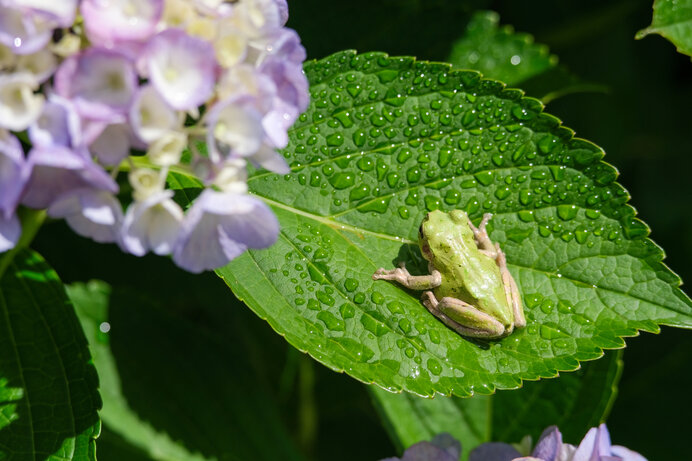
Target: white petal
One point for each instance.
(19, 106)
(151, 117)
(168, 149)
(41, 64)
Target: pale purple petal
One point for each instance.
(291, 83)
(100, 82)
(58, 124)
(626, 454)
(62, 12)
(110, 22)
(283, 11)
(112, 145)
(14, 173)
(57, 170)
(549, 444)
(19, 105)
(269, 159)
(90, 213)
(258, 17)
(22, 31)
(494, 451)
(219, 227)
(10, 231)
(152, 225)
(182, 68)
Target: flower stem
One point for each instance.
(31, 222)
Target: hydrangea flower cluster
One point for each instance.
(84, 83)
(595, 446)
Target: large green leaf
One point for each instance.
(48, 385)
(387, 139)
(174, 389)
(673, 20)
(574, 403)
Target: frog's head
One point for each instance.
(438, 228)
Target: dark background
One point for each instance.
(642, 122)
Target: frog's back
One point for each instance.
(471, 276)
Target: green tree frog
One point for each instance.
(469, 287)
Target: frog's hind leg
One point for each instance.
(488, 327)
(511, 290)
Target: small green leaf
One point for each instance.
(673, 20)
(154, 366)
(574, 403)
(437, 138)
(500, 52)
(48, 386)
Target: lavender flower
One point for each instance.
(442, 448)
(594, 447)
(24, 32)
(101, 83)
(182, 68)
(220, 226)
(56, 171)
(115, 22)
(13, 175)
(92, 213)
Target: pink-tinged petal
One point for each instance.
(112, 145)
(182, 68)
(221, 226)
(22, 31)
(108, 23)
(10, 231)
(152, 225)
(14, 173)
(100, 82)
(58, 124)
(62, 12)
(57, 170)
(91, 213)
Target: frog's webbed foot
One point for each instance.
(511, 290)
(487, 327)
(414, 282)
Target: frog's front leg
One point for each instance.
(464, 318)
(413, 282)
(480, 234)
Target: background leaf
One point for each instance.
(173, 403)
(575, 402)
(388, 139)
(48, 386)
(673, 20)
(500, 52)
